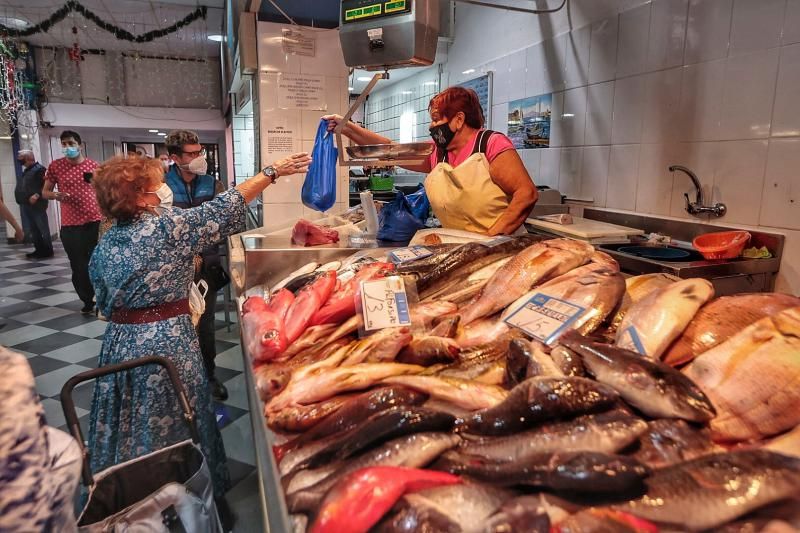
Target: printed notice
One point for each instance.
(301, 91)
(297, 43)
(412, 253)
(384, 303)
(545, 317)
(280, 139)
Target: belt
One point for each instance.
(155, 313)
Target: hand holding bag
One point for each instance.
(197, 300)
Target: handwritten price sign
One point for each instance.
(545, 317)
(384, 303)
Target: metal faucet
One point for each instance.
(697, 208)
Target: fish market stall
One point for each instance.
(517, 381)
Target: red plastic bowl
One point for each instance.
(721, 244)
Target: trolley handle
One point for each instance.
(68, 405)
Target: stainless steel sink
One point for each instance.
(689, 254)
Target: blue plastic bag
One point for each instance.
(419, 204)
(319, 188)
(396, 222)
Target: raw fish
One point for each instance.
(280, 302)
(308, 302)
(302, 271)
(721, 319)
(464, 393)
(605, 432)
(636, 288)
(567, 361)
(302, 417)
(667, 442)
(787, 444)
(519, 515)
(753, 379)
(306, 233)
(602, 520)
(342, 303)
(481, 331)
(263, 330)
(656, 320)
(427, 350)
(712, 490)
(532, 265)
(358, 501)
(567, 471)
(656, 389)
(540, 399)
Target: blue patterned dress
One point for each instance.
(142, 263)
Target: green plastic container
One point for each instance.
(384, 182)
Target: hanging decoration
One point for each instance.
(120, 33)
(75, 52)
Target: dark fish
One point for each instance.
(429, 350)
(454, 508)
(605, 433)
(354, 411)
(567, 471)
(568, 361)
(518, 363)
(302, 281)
(296, 418)
(712, 490)
(466, 259)
(603, 520)
(381, 426)
(519, 515)
(537, 400)
(413, 451)
(656, 389)
(666, 442)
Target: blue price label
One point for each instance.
(545, 317)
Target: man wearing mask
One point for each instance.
(80, 215)
(191, 186)
(32, 206)
(166, 162)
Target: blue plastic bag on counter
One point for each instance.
(396, 221)
(319, 188)
(419, 204)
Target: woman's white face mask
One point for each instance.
(164, 194)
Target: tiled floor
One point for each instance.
(40, 310)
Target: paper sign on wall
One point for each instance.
(301, 91)
(280, 139)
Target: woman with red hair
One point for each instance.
(476, 180)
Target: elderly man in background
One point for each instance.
(33, 206)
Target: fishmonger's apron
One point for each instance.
(465, 197)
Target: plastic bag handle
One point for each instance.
(68, 405)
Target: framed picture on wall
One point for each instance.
(529, 121)
(483, 87)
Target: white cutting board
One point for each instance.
(584, 228)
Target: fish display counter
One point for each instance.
(496, 383)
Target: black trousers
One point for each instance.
(206, 331)
(37, 229)
(79, 243)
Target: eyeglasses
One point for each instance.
(198, 153)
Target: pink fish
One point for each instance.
(359, 500)
(280, 302)
(264, 331)
(341, 304)
(308, 302)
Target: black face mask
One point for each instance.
(442, 135)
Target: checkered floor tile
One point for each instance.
(39, 317)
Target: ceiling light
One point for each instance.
(153, 131)
(363, 78)
(407, 92)
(429, 83)
(349, 88)
(568, 115)
(216, 38)
(468, 71)
(160, 134)
(13, 22)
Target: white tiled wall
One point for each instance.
(640, 85)
(282, 203)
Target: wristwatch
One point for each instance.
(271, 173)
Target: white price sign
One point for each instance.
(412, 253)
(491, 243)
(545, 317)
(384, 303)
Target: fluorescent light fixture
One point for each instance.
(363, 78)
(5, 137)
(406, 92)
(153, 131)
(215, 37)
(160, 134)
(568, 115)
(349, 88)
(429, 83)
(468, 71)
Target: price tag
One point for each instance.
(632, 335)
(412, 253)
(545, 317)
(491, 243)
(384, 303)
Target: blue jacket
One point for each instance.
(185, 195)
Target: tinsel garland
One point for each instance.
(119, 33)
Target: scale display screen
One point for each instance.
(361, 10)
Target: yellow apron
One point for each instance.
(465, 197)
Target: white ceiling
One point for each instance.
(136, 16)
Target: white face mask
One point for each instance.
(164, 194)
(165, 165)
(198, 165)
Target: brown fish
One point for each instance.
(656, 320)
(464, 393)
(753, 379)
(667, 442)
(636, 288)
(298, 418)
(787, 444)
(721, 319)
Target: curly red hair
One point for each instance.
(453, 100)
(119, 181)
